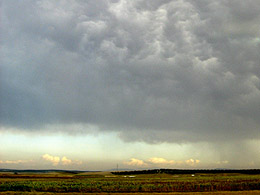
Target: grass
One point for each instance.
(107, 183)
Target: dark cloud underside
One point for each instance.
(151, 70)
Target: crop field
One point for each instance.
(108, 183)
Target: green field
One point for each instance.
(105, 182)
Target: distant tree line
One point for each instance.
(188, 171)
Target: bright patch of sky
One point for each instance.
(105, 151)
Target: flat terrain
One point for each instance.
(170, 193)
(108, 183)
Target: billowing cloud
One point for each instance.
(77, 162)
(153, 71)
(53, 159)
(156, 160)
(65, 161)
(136, 162)
(14, 161)
(192, 162)
(222, 162)
(162, 161)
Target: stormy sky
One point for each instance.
(141, 74)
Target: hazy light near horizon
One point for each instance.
(105, 151)
(171, 83)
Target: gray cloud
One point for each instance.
(153, 71)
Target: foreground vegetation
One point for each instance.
(109, 183)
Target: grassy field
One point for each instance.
(106, 183)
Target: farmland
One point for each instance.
(106, 182)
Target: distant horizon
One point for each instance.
(123, 170)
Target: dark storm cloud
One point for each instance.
(151, 70)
